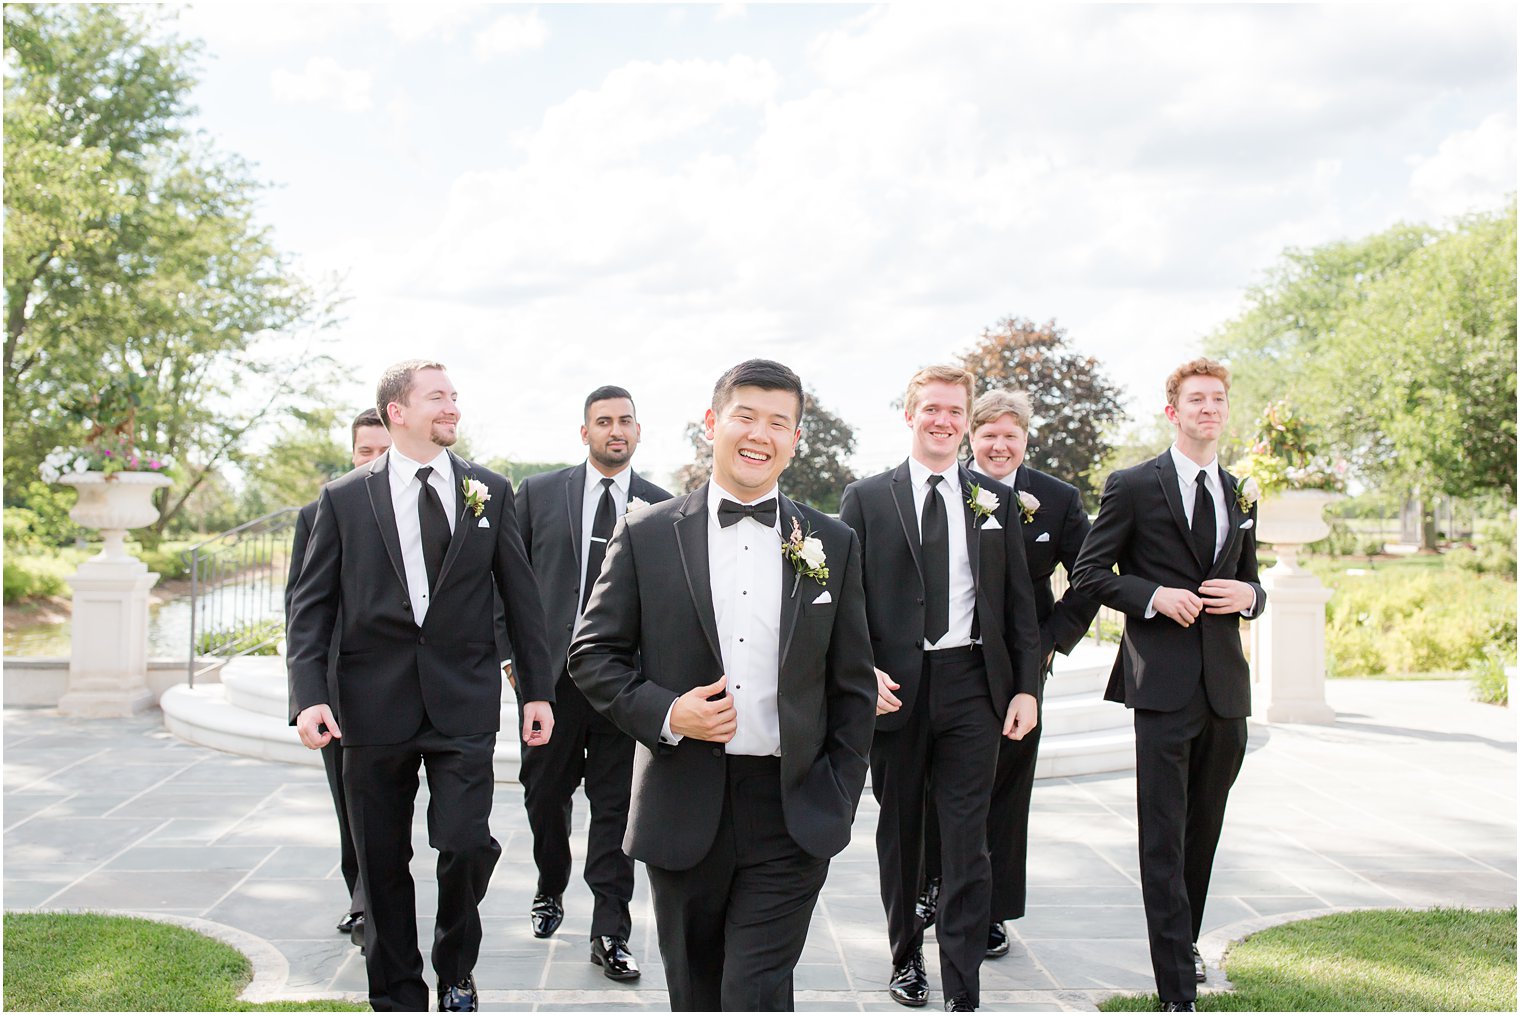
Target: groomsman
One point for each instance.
(566, 518)
(370, 440)
(953, 629)
(1055, 524)
(398, 579)
(752, 705)
(1184, 540)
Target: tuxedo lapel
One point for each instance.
(1166, 474)
(791, 584)
(379, 486)
(902, 496)
(1233, 512)
(575, 504)
(973, 530)
(462, 527)
(691, 539)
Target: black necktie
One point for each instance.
(729, 512)
(934, 534)
(435, 527)
(1203, 520)
(601, 531)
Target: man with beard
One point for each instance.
(566, 518)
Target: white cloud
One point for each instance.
(414, 22)
(730, 12)
(237, 27)
(1471, 170)
(324, 82)
(511, 33)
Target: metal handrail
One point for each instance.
(237, 581)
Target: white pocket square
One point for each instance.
(484, 523)
(1043, 537)
(991, 523)
(1248, 523)
(825, 598)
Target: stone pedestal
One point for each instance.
(1288, 642)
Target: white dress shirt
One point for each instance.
(1187, 486)
(744, 563)
(1008, 480)
(962, 591)
(405, 489)
(589, 501)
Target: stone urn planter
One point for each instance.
(1290, 520)
(113, 504)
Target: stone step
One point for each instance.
(1070, 714)
(1075, 754)
(257, 684)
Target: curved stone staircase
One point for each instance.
(247, 714)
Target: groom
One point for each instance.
(752, 708)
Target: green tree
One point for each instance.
(818, 472)
(131, 253)
(1075, 406)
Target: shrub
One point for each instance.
(39, 574)
(254, 637)
(1490, 681)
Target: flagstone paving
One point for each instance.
(1409, 799)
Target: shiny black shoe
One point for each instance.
(546, 915)
(346, 925)
(1178, 1006)
(928, 902)
(1200, 968)
(612, 954)
(356, 932)
(910, 984)
(459, 997)
(997, 940)
(960, 1002)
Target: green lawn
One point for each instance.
(1375, 960)
(89, 962)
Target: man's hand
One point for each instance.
(509, 676)
(886, 701)
(307, 724)
(1226, 595)
(1023, 717)
(694, 716)
(1179, 604)
(542, 713)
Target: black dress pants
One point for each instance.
(953, 733)
(1185, 763)
(381, 786)
(348, 856)
(585, 746)
(732, 927)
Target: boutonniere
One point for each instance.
(475, 496)
(1028, 505)
(982, 502)
(635, 504)
(1248, 494)
(805, 553)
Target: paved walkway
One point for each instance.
(1408, 800)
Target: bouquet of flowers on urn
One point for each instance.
(1284, 457)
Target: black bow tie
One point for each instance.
(730, 512)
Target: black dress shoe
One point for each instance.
(612, 954)
(1178, 1006)
(928, 902)
(997, 940)
(960, 1002)
(1200, 968)
(910, 984)
(546, 915)
(459, 997)
(356, 932)
(346, 925)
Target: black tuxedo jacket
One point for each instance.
(880, 510)
(654, 597)
(549, 513)
(1143, 528)
(1054, 536)
(390, 672)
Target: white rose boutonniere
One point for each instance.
(475, 496)
(805, 553)
(1248, 494)
(1028, 505)
(636, 504)
(982, 502)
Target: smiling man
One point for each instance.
(740, 663)
(1184, 542)
(957, 650)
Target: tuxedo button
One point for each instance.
(405, 605)
(717, 752)
(920, 601)
(421, 640)
(919, 643)
(569, 627)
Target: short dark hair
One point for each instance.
(603, 393)
(369, 417)
(396, 384)
(765, 374)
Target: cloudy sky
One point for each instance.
(549, 198)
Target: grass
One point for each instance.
(1375, 960)
(91, 962)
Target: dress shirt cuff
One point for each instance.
(666, 736)
(1255, 605)
(1150, 606)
